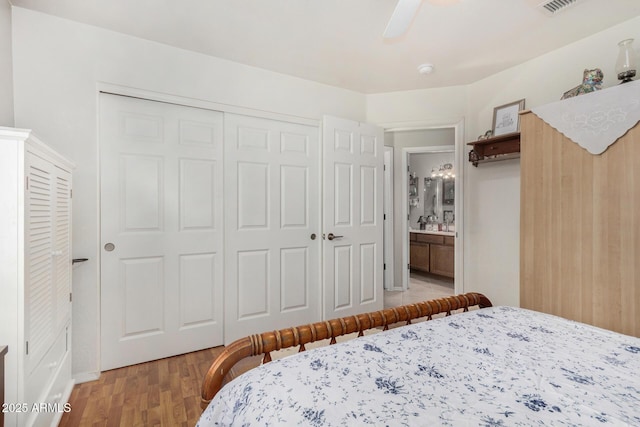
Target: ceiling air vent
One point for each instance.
(553, 7)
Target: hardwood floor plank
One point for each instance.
(164, 392)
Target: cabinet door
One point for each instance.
(419, 257)
(47, 255)
(62, 248)
(442, 260)
(39, 251)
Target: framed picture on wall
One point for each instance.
(506, 118)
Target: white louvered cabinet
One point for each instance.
(35, 278)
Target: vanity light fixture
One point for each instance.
(445, 171)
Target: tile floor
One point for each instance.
(422, 287)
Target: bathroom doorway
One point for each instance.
(431, 223)
(424, 140)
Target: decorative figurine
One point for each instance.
(488, 134)
(591, 81)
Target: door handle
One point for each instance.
(331, 236)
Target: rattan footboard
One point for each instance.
(300, 335)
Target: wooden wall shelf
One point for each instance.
(501, 147)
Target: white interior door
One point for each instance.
(389, 259)
(352, 217)
(161, 229)
(272, 225)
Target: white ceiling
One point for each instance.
(339, 42)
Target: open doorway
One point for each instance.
(423, 140)
(431, 221)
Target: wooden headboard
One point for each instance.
(300, 335)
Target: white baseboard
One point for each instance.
(85, 377)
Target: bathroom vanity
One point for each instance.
(432, 252)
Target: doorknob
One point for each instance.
(109, 247)
(331, 236)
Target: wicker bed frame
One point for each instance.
(267, 342)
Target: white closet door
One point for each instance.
(352, 217)
(161, 229)
(272, 211)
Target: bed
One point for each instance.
(495, 366)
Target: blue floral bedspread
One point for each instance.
(498, 366)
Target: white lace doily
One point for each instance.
(595, 120)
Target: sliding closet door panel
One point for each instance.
(352, 218)
(161, 229)
(272, 211)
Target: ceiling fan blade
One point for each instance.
(402, 16)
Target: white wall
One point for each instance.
(400, 140)
(58, 64)
(6, 64)
(492, 190)
(418, 107)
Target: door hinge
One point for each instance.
(27, 347)
(407, 217)
(71, 193)
(384, 216)
(407, 168)
(26, 182)
(384, 167)
(384, 266)
(408, 267)
(70, 297)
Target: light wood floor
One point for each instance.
(166, 392)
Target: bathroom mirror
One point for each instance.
(448, 191)
(439, 196)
